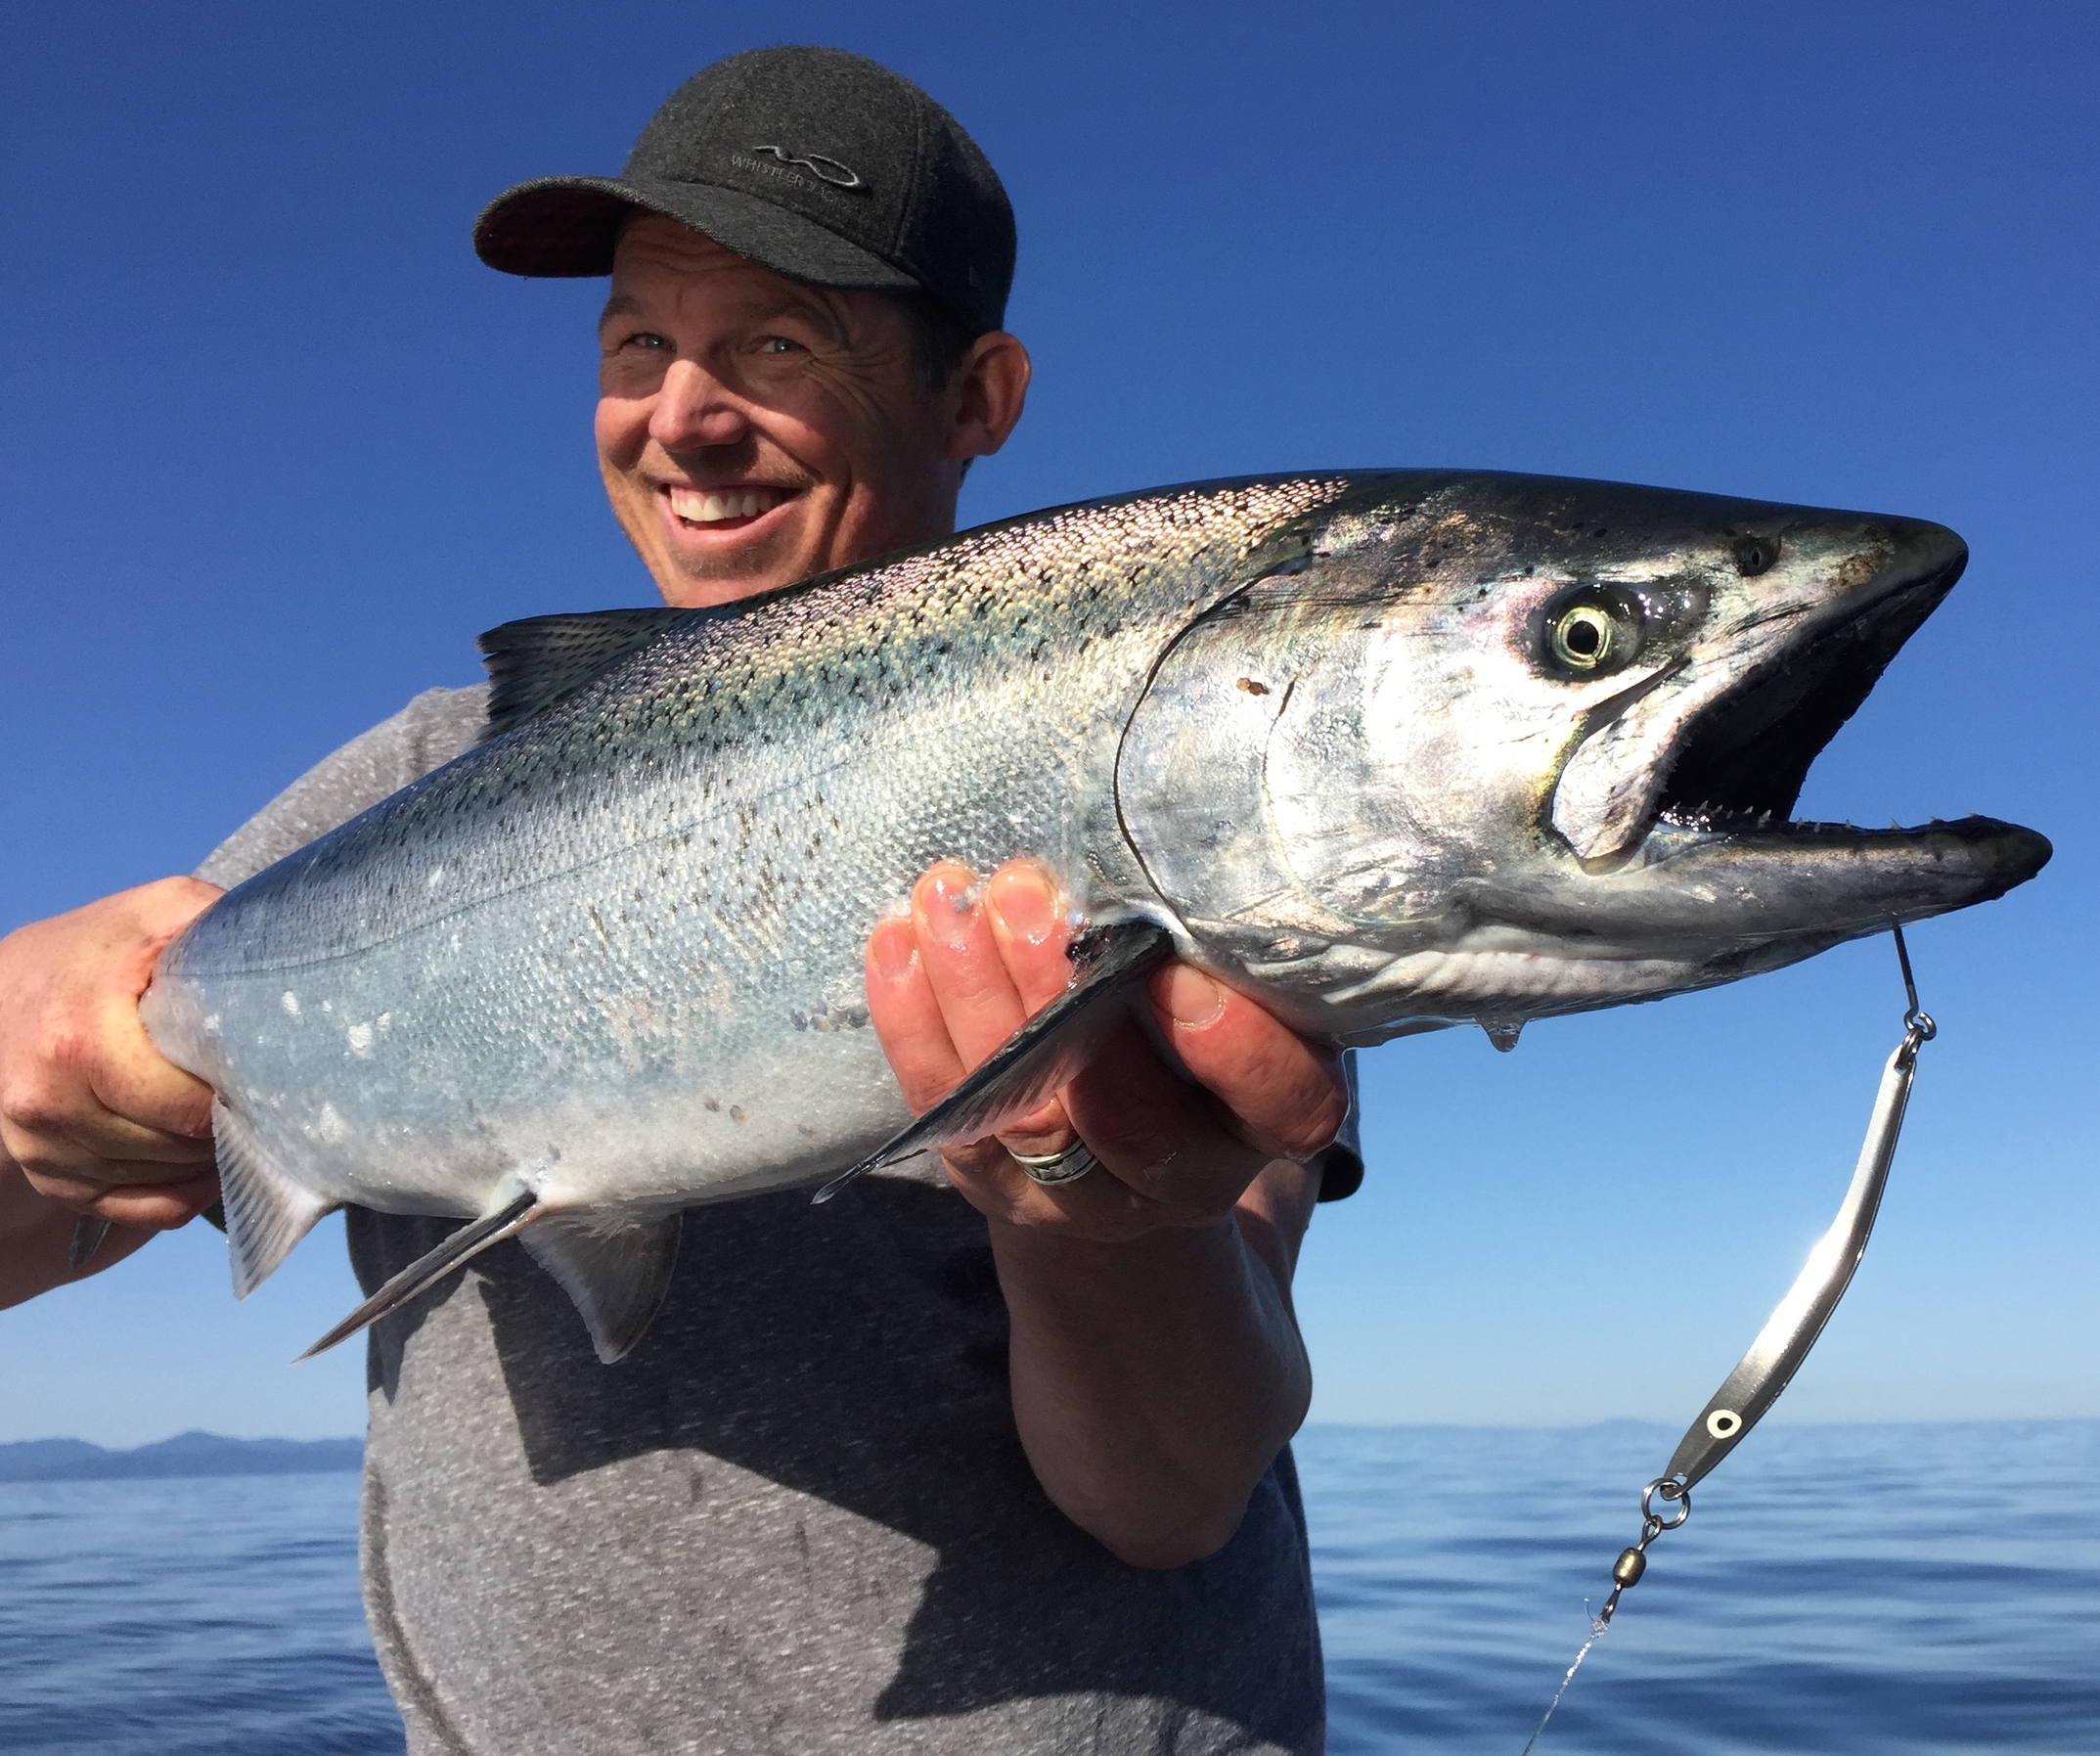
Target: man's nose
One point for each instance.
(694, 409)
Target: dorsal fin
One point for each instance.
(536, 660)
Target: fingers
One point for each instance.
(959, 951)
(1170, 1141)
(1286, 1096)
(952, 981)
(87, 1103)
(161, 1207)
(907, 1016)
(158, 1208)
(38, 1239)
(1032, 930)
(940, 994)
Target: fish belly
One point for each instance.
(681, 1021)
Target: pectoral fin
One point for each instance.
(1039, 1057)
(266, 1211)
(617, 1278)
(515, 1208)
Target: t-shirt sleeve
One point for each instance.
(1341, 1165)
(436, 726)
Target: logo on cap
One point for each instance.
(839, 176)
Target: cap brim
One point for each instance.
(566, 226)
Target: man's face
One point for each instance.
(753, 431)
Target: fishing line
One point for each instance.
(1597, 1632)
(1751, 1389)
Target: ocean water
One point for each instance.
(1854, 1590)
(190, 1616)
(1836, 1589)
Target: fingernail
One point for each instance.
(1191, 998)
(893, 948)
(1025, 905)
(952, 894)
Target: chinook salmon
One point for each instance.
(1385, 751)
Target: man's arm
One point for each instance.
(1157, 1368)
(92, 1120)
(36, 1237)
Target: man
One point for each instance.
(898, 1476)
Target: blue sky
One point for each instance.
(274, 447)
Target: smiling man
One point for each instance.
(753, 431)
(998, 1474)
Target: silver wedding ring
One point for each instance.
(1053, 1168)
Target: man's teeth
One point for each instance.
(696, 507)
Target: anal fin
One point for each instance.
(515, 1208)
(615, 1274)
(1039, 1057)
(267, 1211)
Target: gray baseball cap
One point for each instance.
(818, 164)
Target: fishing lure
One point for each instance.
(1747, 1392)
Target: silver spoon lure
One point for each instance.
(1784, 1343)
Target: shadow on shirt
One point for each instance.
(858, 1354)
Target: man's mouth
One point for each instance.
(725, 507)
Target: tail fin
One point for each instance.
(267, 1211)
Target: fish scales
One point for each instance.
(599, 925)
(1388, 752)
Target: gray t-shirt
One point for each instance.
(797, 1518)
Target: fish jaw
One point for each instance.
(1697, 908)
(1693, 909)
(1784, 659)
(1379, 803)
(1725, 887)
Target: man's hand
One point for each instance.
(1156, 1364)
(951, 983)
(90, 1113)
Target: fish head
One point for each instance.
(1474, 746)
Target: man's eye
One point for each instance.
(778, 345)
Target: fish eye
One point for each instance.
(1585, 637)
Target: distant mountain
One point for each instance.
(187, 1454)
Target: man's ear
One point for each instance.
(987, 393)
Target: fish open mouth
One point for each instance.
(1744, 760)
(1711, 850)
(1720, 852)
